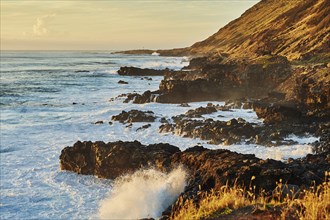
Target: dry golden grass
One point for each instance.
(307, 205)
(314, 204)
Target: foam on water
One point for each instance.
(143, 194)
(46, 105)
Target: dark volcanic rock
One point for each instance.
(112, 159)
(144, 127)
(184, 105)
(207, 169)
(122, 82)
(198, 112)
(278, 112)
(146, 97)
(98, 122)
(134, 116)
(134, 71)
(238, 130)
(213, 167)
(216, 132)
(222, 79)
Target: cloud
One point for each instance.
(40, 28)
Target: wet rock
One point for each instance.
(207, 169)
(122, 82)
(112, 159)
(146, 97)
(224, 79)
(129, 125)
(134, 71)
(134, 116)
(184, 105)
(163, 120)
(166, 128)
(198, 112)
(231, 132)
(144, 127)
(98, 122)
(279, 112)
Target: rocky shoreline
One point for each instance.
(260, 86)
(279, 69)
(208, 169)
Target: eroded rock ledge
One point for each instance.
(134, 71)
(208, 169)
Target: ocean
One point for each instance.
(50, 100)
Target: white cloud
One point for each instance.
(40, 28)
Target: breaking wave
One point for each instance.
(145, 193)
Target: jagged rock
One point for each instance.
(112, 159)
(134, 71)
(184, 105)
(144, 127)
(122, 82)
(146, 97)
(198, 112)
(279, 112)
(134, 116)
(221, 79)
(207, 169)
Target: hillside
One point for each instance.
(295, 29)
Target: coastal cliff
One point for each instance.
(275, 46)
(297, 29)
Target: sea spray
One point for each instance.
(145, 193)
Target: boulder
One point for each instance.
(112, 159)
(134, 116)
(122, 82)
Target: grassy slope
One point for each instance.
(288, 28)
(241, 203)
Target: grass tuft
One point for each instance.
(310, 204)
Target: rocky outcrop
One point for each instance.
(220, 79)
(309, 87)
(134, 71)
(112, 159)
(208, 169)
(277, 112)
(198, 112)
(146, 97)
(122, 82)
(134, 116)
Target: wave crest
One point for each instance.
(145, 193)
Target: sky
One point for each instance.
(113, 24)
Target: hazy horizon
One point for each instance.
(112, 25)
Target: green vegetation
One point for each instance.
(315, 59)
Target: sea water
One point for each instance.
(50, 100)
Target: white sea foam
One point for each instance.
(308, 139)
(281, 153)
(38, 119)
(143, 194)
